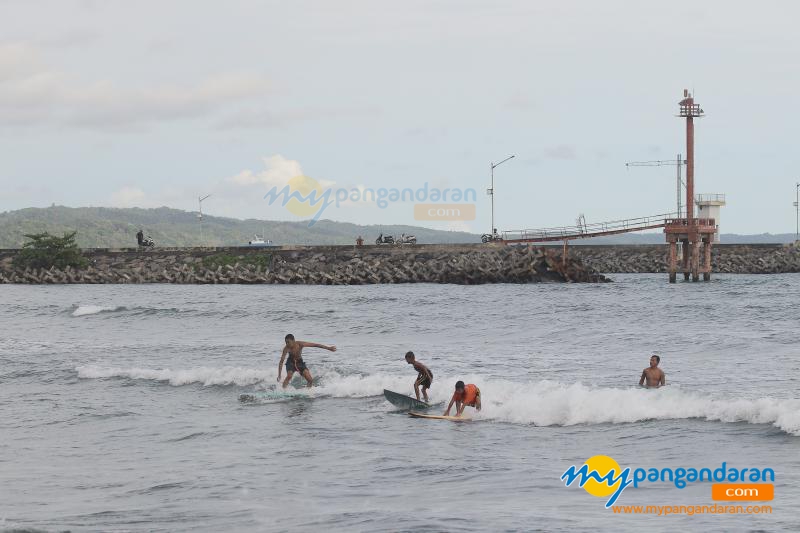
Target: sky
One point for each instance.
(119, 103)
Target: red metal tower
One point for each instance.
(691, 231)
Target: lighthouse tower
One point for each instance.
(693, 232)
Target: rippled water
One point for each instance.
(119, 404)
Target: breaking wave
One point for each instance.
(201, 375)
(543, 403)
(84, 310)
(548, 403)
(331, 383)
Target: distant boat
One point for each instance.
(259, 242)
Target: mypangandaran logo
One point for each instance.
(306, 197)
(601, 476)
(304, 194)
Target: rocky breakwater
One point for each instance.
(725, 258)
(463, 265)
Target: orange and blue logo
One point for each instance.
(306, 197)
(602, 477)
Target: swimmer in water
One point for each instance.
(653, 375)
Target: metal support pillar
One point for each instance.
(687, 251)
(673, 267)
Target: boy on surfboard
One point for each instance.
(424, 378)
(655, 376)
(295, 361)
(465, 395)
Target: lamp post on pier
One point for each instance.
(490, 190)
(797, 212)
(200, 216)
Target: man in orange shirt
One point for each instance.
(465, 395)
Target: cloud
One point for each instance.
(71, 38)
(277, 173)
(520, 100)
(128, 197)
(255, 117)
(562, 151)
(279, 170)
(17, 60)
(240, 196)
(251, 118)
(32, 93)
(362, 197)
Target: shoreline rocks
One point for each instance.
(316, 266)
(347, 265)
(728, 259)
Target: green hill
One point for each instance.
(101, 227)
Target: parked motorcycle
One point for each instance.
(407, 239)
(147, 242)
(491, 237)
(389, 239)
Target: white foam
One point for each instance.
(203, 375)
(544, 403)
(83, 310)
(358, 386)
(548, 403)
(332, 383)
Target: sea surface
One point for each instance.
(120, 411)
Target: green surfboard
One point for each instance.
(273, 395)
(404, 402)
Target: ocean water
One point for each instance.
(119, 406)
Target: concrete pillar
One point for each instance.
(696, 261)
(673, 259)
(687, 252)
(707, 266)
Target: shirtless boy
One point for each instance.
(294, 349)
(653, 375)
(424, 376)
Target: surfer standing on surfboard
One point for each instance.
(424, 378)
(655, 376)
(294, 349)
(465, 395)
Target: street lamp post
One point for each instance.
(797, 212)
(491, 189)
(200, 216)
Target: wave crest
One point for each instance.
(202, 375)
(84, 310)
(543, 403)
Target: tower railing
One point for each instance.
(695, 221)
(596, 229)
(710, 198)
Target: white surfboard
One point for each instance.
(440, 417)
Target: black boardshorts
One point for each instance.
(423, 381)
(299, 367)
